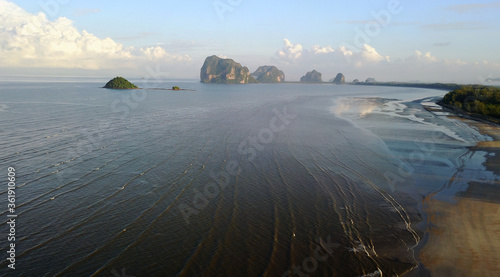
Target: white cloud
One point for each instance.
(368, 62)
(419, 57)
(158, 53)
(290, 51)
(321, 54)
(29, 40)
(369, 54)
(365, 56)
(295, 51)
(326, 59)
(316, 49)
(345, 52)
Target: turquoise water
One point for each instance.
(224, 180)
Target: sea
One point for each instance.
(238, 180)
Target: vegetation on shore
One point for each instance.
(120, 83)
(474, 99)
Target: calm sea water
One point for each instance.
(225, 180)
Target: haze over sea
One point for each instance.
(230, 180)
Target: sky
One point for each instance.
(389, 40)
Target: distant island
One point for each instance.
(269, 74)
(217, 70)
(311, 77)
(224, 71)
(120, 83)
(339, 79)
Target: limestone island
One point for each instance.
(120, 83)
(269, 74)
(339, 79)
(370, 80)
(312, 77)
(224, 71)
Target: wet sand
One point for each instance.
(463, 238)
(459, 202)
(464, 233)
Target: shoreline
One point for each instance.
(485, 125)
(468, 115)
(460, 230)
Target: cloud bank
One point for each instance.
(296, 60)
(32, 40)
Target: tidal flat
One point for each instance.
(254, 180)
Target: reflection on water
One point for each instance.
(355, 106)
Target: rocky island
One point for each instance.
(120, 83)
(224, 71)
(269, 74)
(312, 77)
(339, 79)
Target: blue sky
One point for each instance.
(424, 40)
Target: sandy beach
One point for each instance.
(464, 234)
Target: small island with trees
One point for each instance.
(120, 83)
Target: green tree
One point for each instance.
(476, 99)
(120, 83)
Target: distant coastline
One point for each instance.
(440, 86)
